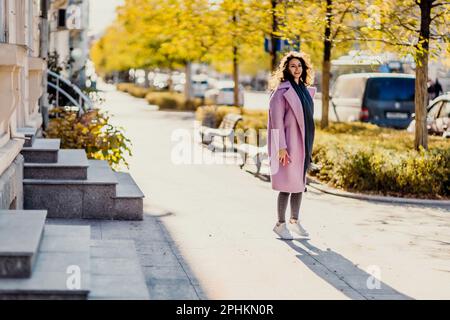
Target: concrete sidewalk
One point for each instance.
(218, 222)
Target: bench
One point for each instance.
(258, 154)
(224, 131)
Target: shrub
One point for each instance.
(124, 86)
(165, 100)
(254, 124)
(91, 132)
(138, 92)
(173, 101)
(134, 90)
(390, 167)
(212, 115)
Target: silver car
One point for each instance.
(438, 117)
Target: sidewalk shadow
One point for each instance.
(167, 274)
(343, 274)
(181, 285)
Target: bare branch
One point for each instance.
(400, 22)
(437, 4)
(439, 36)
(341, 20)
(395, 43)
(437, 15)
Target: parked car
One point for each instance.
(223, 93)
(200, 83)
(438, 117)
(385, 99)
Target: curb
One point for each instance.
(326, 189)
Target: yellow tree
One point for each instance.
(187, 34)
(416, 27)
(110, 52)
(138, 36)
(238, 35)
(327, 27)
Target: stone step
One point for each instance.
(91, 198)
(20, 237)
(62, 269)
(116, 272)
(72, 164)
(42, 151)
(128, 201)
(30, 133)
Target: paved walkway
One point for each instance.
(210, 230)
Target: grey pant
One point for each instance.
(296, 200)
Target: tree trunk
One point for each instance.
(146, 81)
(188, 85)
(236, 76)
(326, 65)
(170, 80)
(235, 66)
(273, 49)
(421, 92)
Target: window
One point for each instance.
(391, 89)
(434, 110)
(61, 18)
(445, 110)
(352, 88)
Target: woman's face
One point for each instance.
(295, 68)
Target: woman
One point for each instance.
(290, 137)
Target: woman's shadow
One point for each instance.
(343, 274)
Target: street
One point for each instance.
(220, 218)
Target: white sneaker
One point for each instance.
(298, 228)
(283, 231)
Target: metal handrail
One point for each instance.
(83, 100)
(68, 96)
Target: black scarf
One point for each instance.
(308, 113)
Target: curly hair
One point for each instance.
(282, 72)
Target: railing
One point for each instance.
(80, 101)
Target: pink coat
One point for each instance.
(286, 129)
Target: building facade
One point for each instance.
(68, 36)
(29, 30)
(21, 74)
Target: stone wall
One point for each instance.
(11, 185)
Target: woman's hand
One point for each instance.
(284, 157)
